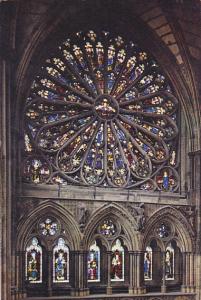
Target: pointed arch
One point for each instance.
(183, 227)
(125, 219)
(28, 222)
(179, 77)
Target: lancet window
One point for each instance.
(61, 262)
(94, 263)
(34, 262)
(148, 263)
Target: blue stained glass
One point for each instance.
(150, 109)
(145, 147)
(63, 80)
(98, 109)
(155, 130)
(121, 135)
(99, 164)
(165, 180)
(90, 159)
(53, 118)
(100, 137)
(120, 162)
(51, 95)
(110, 82)
(33, 131)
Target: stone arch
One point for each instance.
(184, 229)
(28, 222)
(125, 219)
(151, 239)
(103, 241)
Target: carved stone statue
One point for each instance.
(83, 217)
(138, 213)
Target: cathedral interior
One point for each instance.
(100, 149)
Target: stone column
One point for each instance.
(131, 272)
(79, 268)
(195, 198)
(20, 280)
(163, 287)
(191, 272)
(109, 287)
(49, 279)
(184, 272)
(137, 266)
(188, 273)
(5, 182)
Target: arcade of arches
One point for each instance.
(100, 149)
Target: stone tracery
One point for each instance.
(101, 112)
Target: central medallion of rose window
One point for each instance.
(106, 107)
(101, 112)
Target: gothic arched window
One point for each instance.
(117, 262)
(101, 112)
(169, 263)
(148, 263)
(61, 262)
(94, 263)
(34, 262)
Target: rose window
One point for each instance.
(48, 227)
(163, 230)
(101, 112)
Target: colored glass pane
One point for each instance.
(48, 227)
(117, 262)
(101, 112)
(169, 263)
(94, 263)
(108, 228)
(34, 262)
(60, 262)
(163, 230)
(148, 264)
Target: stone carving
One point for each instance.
(24, 207)
(83, 216)
(138, 213)
(190, 213)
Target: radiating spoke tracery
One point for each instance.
(101, 112)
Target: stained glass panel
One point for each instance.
(169, 263)
(148, 264)
(163, 230)
(60, 262)
(117, 262)
(94, 263)
(101, 112)
(48, 227)
(107, 228)
(34, 262)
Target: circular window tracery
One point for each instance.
(48, 227)
(101, 112)
(108, 228)
(164, 230)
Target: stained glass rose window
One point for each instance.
(48, 227)
(163, 230)
(101, 112)
(108, 228)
